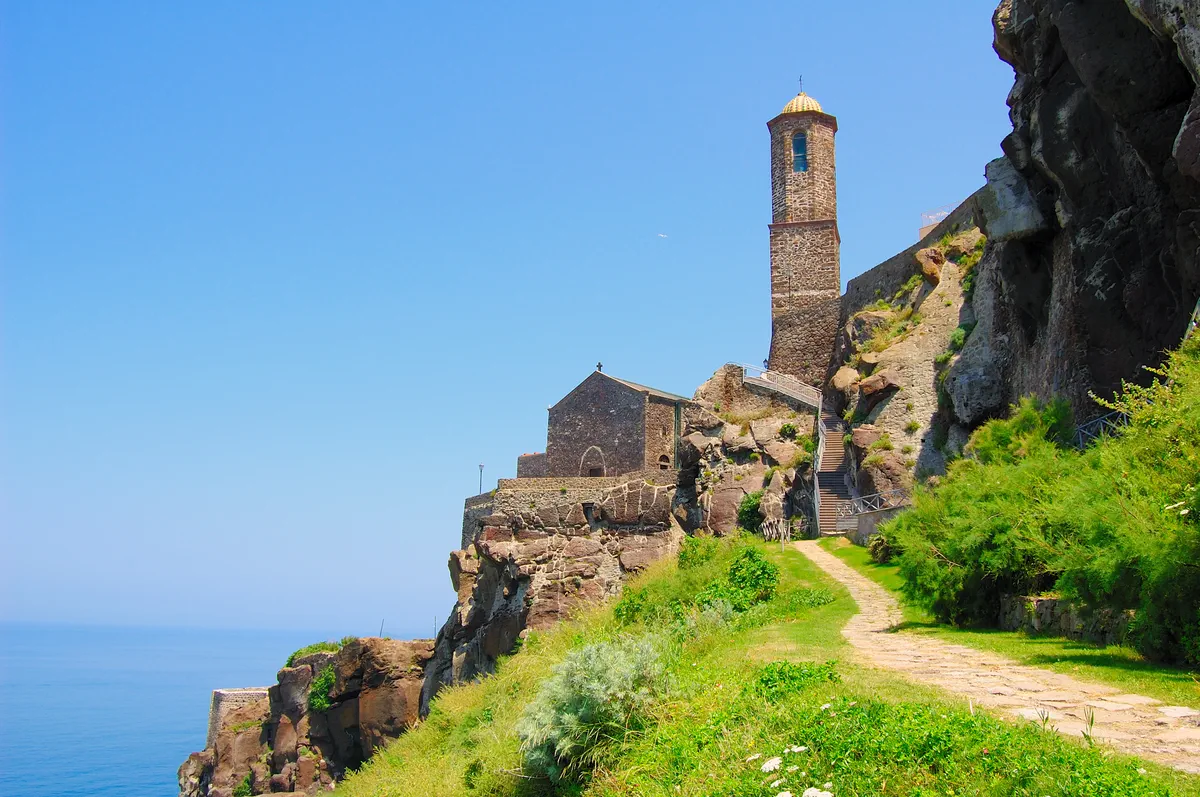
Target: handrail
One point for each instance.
(888, 499)
(1099, 427)
(780, 383)
(816, 472)
(1195, 322)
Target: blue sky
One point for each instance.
(278, 276)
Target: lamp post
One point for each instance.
(480, 478)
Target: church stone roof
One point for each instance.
(643, 389)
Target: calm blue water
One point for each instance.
(115, 711)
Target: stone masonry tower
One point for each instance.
(805, 274)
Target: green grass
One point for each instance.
(1114, 665)
(868, 733)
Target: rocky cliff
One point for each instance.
(328, 712)
(1093, 214)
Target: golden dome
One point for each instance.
(801, 103)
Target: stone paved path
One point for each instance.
(1131, 724)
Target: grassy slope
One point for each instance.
(1118, 666)
(878, 734)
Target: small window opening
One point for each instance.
(800, 152)
(595, 471)
(664, 462)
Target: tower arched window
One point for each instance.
(800, 152)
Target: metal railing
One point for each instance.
(780, 383)
(816, 473)
(1104, 426)
(888, 499)
(1195, 322)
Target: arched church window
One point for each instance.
(800, 152)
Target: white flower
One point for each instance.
(827, 786)
(813, 791)
(826, 706)
(772, 764)
(1141, 771)
(754, 757)
(792, 769)
(775, 784)
(797, 749)
(784, 794)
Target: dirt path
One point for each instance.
(1132, 724)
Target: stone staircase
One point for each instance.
(831, 477)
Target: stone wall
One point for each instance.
(600, 424)
(475, 509)
(224, 702)
(885, 279)
(802, 340)
(531, 466)
(661, 433)
(868, 524)
(1052, 616)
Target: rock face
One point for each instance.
(544, 547)
(283, 745)
(1094, 212)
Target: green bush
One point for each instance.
(245, 788)
(1113, 527)
(750, 512)
(316, 647)
(695, 551)
(594, 699)
(912, 426)
(632, 605)
(752, 579)
(782, 678)
(322, 685)
(788, 431)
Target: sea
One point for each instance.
(103, 712)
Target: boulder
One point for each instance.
(876, 387)
(845, 378)
(735, 442)
(931, 261)
(764, 430)
(781, 452)
(1007, 209)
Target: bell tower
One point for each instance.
(806, 282)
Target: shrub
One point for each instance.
(788, 431)
(755, 456)
(596, 697)
(911, 427)
(884, 443)
(769, 474)
(632, 605)
(695, 551)
(783, 678)
(802, 460)
(316, 647)
(245, 788)
(1024, 513)
(322, 685)
(958, 338)
(880, 548)
(752, 579)
(872, 460)
(750, 511)
(943, 358)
